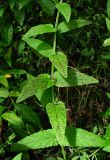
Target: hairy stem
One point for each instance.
(54, 48)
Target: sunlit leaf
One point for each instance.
(72, 25)
(60, 62)
(40, 83)
(65, 10)
(74, 78)
(40, 46)
(57, 117)
(18, 157)
(41, 139)
(39, 29)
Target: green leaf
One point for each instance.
(15, 72)
(108, 8)
(40, 46)
(38, 84)
(28, 114)
(3, 81)
(23, 3)
(47, 6)
(105, 57)
(75, 78)
(107, 135)
(18, 157)
(82, 138)
(107, 148)
(40, 29)
(45, 97)
(65, 10)
(7, 33)
(60, 62)
(11, 3)
(19, 16)
(21, 47)
(14, 93)
(72, 25)
(108, 24)
(4, 93)
(108, 95)
(16, 122)
(106, 42)
(74, 137)
(41, 139)
(2, 9)
(2, 108)
(57, 117)
(7, 56)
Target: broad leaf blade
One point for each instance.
(65, 10)
(18, 157)
(40, 46)
(28, 114)
(57, 117)
(72, 25)
(60, 62)
(107, 148)
(23, 3)
(47, 6)
(2, 108)
(106, 42)
(82, 138)
(40, 29)
(108, 24)
(2, 9)
(108, 8)
(40, 83)
(41, 139)
(3, 81)
(4, 93)
(75, 78)
(16, 123)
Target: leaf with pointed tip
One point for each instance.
(16, 123)
(107, 148)
(82, 138)
(60, 62)
(108, 23)
(74, 78)
(75, 137)
(40, 83)
(18, 157)
(39, 29)
(47, 6)
(41, 139)
(65, 10)
(2, 9)
(4, 93)
(28, 114)
(72, 25)
(23, 3)
(106, 42)
(3, 81)
(57, 117)
(40, 46)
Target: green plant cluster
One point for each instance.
(54, 71)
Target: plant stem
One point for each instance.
(52, 68)
(54, 49)
(63, 152)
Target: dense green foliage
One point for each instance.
(54, 79)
